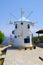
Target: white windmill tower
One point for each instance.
(23, 31)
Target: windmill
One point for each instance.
(21, 13)
(23, 28)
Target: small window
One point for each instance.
(16, 26)
(13, 32)
(15, 36)
(21, 23)
(28, 26)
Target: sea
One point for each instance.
(5, 42)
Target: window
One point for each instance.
(15, 36)
(21, 23)
(26, 40)
(16, 26)
(13, 32)
(28, 26)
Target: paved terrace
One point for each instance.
(24, 57)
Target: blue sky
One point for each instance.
(14, 6)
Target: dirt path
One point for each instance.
(24, 57)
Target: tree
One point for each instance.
(2, 37)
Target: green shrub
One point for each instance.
(35, 39)
(2, 37)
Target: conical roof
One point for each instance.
(23, 19)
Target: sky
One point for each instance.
(13, 7)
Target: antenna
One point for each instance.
(22, 12)
(29, 14)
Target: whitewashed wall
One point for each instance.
(22, 32)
